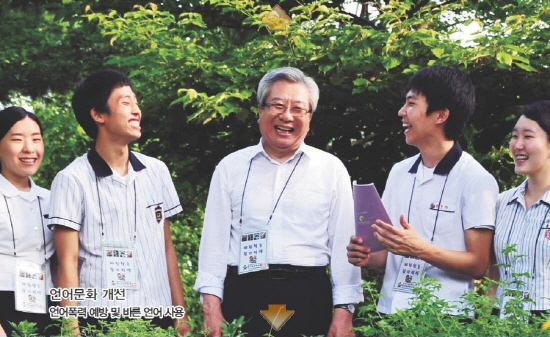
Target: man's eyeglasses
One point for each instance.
(278, 108)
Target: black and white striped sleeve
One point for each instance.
(169, 194)
(66, 202)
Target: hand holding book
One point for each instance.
(368, 208)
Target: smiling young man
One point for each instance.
(441, 202)
(278, 214)
(110, 210)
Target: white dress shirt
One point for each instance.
(311, 225)
(29, 230)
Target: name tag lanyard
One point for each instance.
(101, 213)
(29, 277)
(253, 246)
(280, 195)
(412, 269)
(525, 294)
(13, 231)
(119, 257)
(507, 258)
(438, 206)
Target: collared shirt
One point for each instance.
(465, 194)
(529, 231)
(311, 225)
(123, 208)
(23, 211)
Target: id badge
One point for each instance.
(409, 274)
(30, 287)
(119, 265)
(507, 296)
(253, 253)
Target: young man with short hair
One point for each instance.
(441, 202)
(110, 209)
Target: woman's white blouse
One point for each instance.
(26, 211)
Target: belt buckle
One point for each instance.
(278, 274)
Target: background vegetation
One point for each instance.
(196, 64)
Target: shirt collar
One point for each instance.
(9, 190)
(446, 164)
(259, 149)
(519, 194)
(102, 169)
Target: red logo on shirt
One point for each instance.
(547, 234)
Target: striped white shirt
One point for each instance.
(24, 213)
(86, 194)
(529, 231)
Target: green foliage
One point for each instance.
(429, 316)
(24, 329)
(195, 65)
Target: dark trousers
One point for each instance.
(9, 314)
(308, 294)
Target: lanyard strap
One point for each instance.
(280, 195)
(537, 242)
(541, 227)
(438, 205)
(101, 212)
(506, 257)
(13, 229)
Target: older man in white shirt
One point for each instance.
(279, 213)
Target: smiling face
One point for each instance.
(21, 152)
(530, 148)
(122, 123)
(282, 133)
(421, 129)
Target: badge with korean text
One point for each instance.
(30, 288)
(409, 274)
(119, 265)
(253, 253)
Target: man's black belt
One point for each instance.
(281, 272)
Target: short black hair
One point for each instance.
(539, 112)
(446, 88)
(93, 93)
(13, 114)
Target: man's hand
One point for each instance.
(182, 326)
(213, 317)
(358, 255)
(399, 241)
(341, 325)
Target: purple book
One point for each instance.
(368, 208)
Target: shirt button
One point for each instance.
(37, 248)
(35, 228)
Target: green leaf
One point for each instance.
(504, 58)
(438, 52)
(390, 62)
(526, 67)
